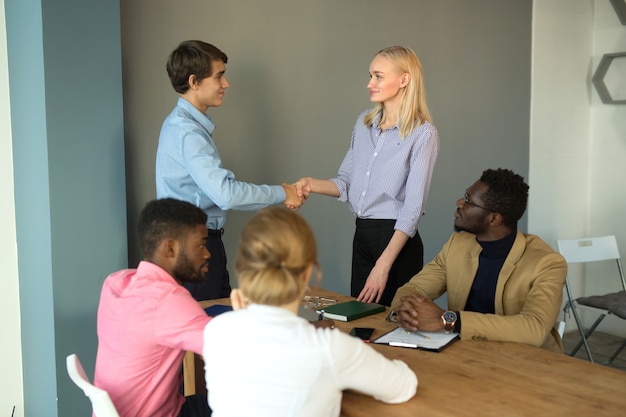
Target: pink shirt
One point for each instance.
(146, 322)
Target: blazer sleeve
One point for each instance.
(531, 301)
(528, 298)
(430, 282)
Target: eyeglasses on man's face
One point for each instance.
(467, 202)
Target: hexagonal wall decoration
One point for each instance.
(620, 9)
(598, 78)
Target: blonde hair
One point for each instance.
(275, 249)
(413, 109)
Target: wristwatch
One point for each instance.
(449, 319)
(393, 316)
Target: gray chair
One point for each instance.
(595, 249)
(100, 400)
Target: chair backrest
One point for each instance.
(100, 400)
(589, 249)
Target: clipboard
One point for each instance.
(430, 341)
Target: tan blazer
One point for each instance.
(528, 295)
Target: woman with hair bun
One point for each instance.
(279, 364)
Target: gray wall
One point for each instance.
(298, 71)
(67, 123)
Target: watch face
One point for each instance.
(449, 316)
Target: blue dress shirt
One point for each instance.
(386, 177)
(189, 168)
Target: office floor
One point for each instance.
(602, 345)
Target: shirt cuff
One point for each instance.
(343, 192)
(457, 324)
(409, 229)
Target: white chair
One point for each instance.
(594, 249)
(100, 400)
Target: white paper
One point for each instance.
(424, 340)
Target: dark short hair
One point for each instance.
(507, 194)
(166, 218)
(192, 57)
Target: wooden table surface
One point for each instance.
(477, 378)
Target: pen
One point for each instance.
(402, 344)
(416, 333)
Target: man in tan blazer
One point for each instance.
(502, 285)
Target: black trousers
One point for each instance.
(195, 406)
(371, 237)
(216, 283)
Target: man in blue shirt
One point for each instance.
(188, 164)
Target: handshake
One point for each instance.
(297, 193)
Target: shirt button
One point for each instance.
(368, 173)
(375, 153)
(363, 193)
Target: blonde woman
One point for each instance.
(385, 177)
(264, 360)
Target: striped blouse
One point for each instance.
(385, 177)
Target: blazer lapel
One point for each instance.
(510, 263)
(469, 268)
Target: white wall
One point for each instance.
(11, 392)
(577, 146)
(607, 197)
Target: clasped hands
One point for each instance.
(297, 193)
(419, 313)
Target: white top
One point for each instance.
(266, 361)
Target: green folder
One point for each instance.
(351, 310)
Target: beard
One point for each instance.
(185, 271)
(476, 227)
(474, 230)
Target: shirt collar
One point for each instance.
(200, 117)
(274, 310)
(498, 249)
(147, 268)
(376, 122)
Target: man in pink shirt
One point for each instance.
(147, 319)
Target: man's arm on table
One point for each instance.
(532, 298)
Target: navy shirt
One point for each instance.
(482, 294)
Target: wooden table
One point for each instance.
(476, 378)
